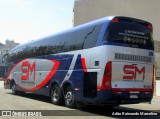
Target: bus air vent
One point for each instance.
(130, 57)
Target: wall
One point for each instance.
(89, 10)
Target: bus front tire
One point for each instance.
(14, 91)
(69, 98)
(56, 96)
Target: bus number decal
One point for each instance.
(27, 69)
(130, 72)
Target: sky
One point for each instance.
(25, 20)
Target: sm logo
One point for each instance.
(28, 70)
(131, 71)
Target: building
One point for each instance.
(89, 10)
(1, 48)
(5, 48)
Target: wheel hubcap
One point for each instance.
(55, 95)
(69, 97)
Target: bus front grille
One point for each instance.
(130, 57)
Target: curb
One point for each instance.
(155, 100)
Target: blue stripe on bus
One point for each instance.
(102, 33)
(64, 59)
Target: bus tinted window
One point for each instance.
(77, 39)
(91, 36)
(129, 33)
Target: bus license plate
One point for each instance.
(133, 96)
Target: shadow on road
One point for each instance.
(117, 112)
(34, 97)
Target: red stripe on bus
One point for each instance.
(83, 60)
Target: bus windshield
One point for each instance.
(133, 34)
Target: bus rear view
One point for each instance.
(129, 70)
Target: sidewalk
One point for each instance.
(155, 100)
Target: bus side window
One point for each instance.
(92, 36)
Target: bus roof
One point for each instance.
(93, 23)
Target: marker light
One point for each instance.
(150, 26)
(115, 20)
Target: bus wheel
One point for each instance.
(14, 91)
(69, 97)
(56, 96)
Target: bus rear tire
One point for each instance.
(56, 96)
(69, 98)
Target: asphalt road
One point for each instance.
(29, 102)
